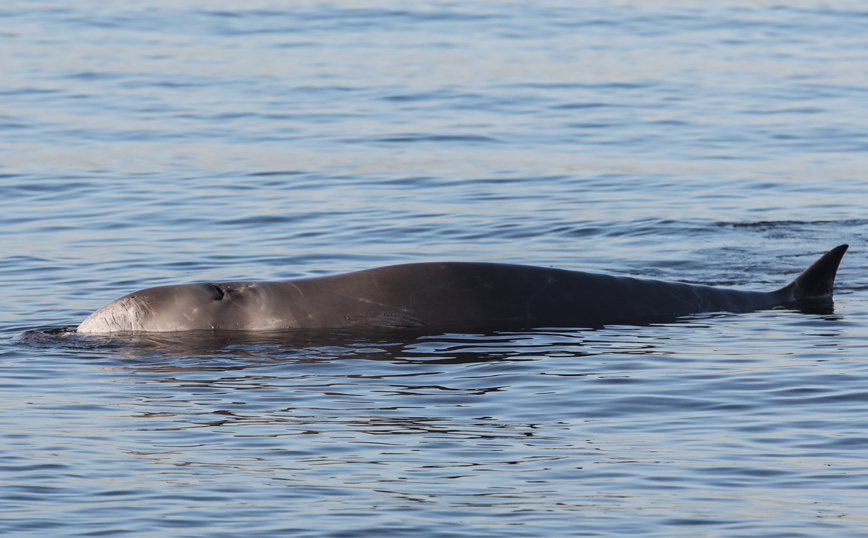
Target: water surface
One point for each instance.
(169, 142)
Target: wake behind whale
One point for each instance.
(447, 295)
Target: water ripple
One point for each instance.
(163, 143)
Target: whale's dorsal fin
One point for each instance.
(817, 281)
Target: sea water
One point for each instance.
(158, 142)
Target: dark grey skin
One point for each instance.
(447, 296)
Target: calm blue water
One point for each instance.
(167, 142)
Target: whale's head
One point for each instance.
(166, 308)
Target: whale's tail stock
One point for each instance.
(818, 280)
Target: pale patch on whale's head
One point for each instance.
(126, 314)
(184, 307)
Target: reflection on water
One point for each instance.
(613, 424)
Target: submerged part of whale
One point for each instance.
(448, 296)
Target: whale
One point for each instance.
(444, 296)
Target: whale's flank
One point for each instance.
(444, 295)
